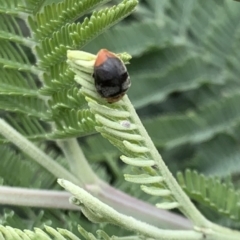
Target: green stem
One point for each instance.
(77, 161)
(124, 110)
(141, 210)
(34, 152)
(115, 198)
(186, 206)
(110, 215)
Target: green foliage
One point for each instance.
(185, 87)
(26, 84)
(59, 85)
(8, 233)
(59, 14)
(192, 115)
(31, 172)
(11, 7)
(74, 123)
(13, 56)
(185, 80)
(10, 29)
(51, 52)
(120, 125)
(197, 126)
(211, 192)
(81, 33)
(40, 100)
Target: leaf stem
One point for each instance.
(77, 161)
(109, 117)
(186, 206)
(115, 198)
(141, 210)
(112, 216)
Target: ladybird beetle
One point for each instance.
(111, 76)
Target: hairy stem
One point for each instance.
(110, 215)
(94, 209)
(141, 210)
(115, 198)
(186, 206)
(107, 194)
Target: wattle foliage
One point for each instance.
(185, 87)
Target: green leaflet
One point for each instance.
(7, 233)
(11, 7)
(223, 150)
(60, 14)
(151, 34)
(31, 106)
(66, 100)
(10, 29)
(74, 123)
(26, 85)
(170, 70)
(211, 192)
(53, 50)
(17, 162)
(14, 57)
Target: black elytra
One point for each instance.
(111, 76)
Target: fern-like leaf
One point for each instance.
(151, 34)
(30, 106)
(118, 123)
(13, 56)
(69, 98)
(14, 83)
(174, 72)
(11, 7)
(211, 192)
(30, 127)
(74, 123)
(33, 174)
(81, 33)
(223, 150)
(10, 29)
(60, 14)
(9, 233)
(60, 77)
(34, 6)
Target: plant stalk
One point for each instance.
(77, 161)
(35, 198)
(110, 215)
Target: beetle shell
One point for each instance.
(111, 76)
